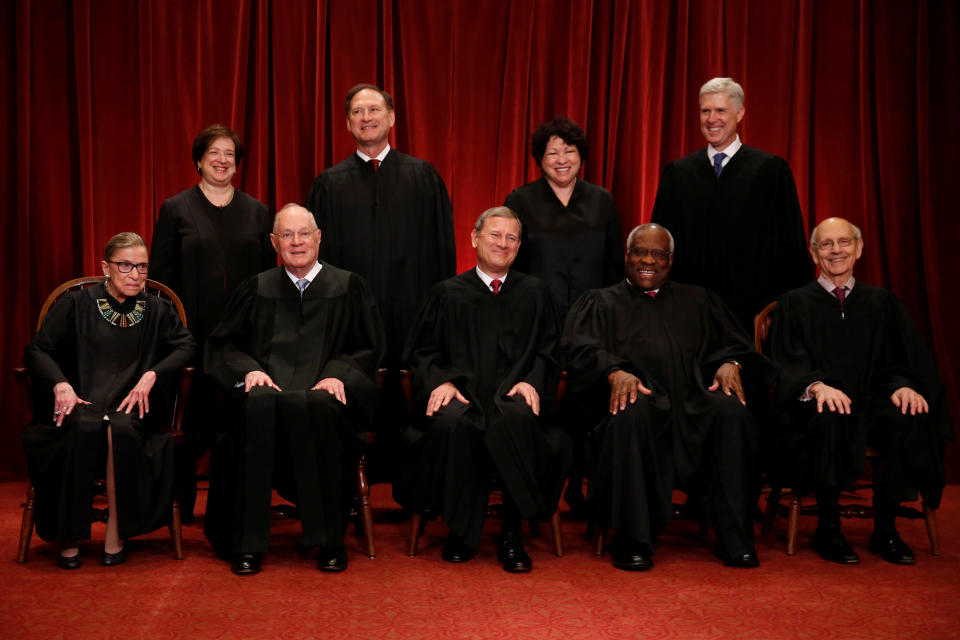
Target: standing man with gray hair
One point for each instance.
(734, 212)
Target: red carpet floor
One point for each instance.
(687, 595)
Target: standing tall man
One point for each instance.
(733, 211)
(385, 216)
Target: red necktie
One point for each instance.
(652, 294)
(496, 286)
(375, 164)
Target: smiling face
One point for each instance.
(719, 117)
(296, 240)
(370, 121)
(560, 163)
(648, 259)
(836, 250)
(125, 285)
(496, 243)
(219, 163)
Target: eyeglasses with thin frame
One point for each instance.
(127, 267)
(658, 254)
(302, 236)
(827, 245)
(496, 236)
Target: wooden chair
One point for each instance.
(795, 507)
(417, 522)
(20, 373)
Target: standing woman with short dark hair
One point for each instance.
(572, 240)
(206, 241)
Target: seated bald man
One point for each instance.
(856, 372)
(297, 350)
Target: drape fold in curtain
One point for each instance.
(102, 99)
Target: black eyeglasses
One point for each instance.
(127, 267)
(658, 254)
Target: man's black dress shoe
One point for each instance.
(246, 564)
(891, 548)
(332, 560)
(512, 555)
(113, 559)
(748, 560)
(832, 546)
(455, 549)
(631, 556)
(72, 562)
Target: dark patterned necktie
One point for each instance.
(718, 163)
(375, 164)
(841, 294)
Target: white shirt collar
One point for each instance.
(828, 284)
(380, 156)
(488, 279)
(731, 149)
(310, 276)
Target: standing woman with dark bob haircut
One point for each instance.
(104, 368)
(206, 241)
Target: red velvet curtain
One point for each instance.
(102, 98)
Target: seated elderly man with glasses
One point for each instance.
(666, 360)
(297, 352)
(856, 372)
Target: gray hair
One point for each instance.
(649, 226)
(292, 205)
(857, 234)
(123, 240)
(496, 212)
(724, 85)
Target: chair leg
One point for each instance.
(176, 532)
(557, 533)
(416, 526)
(792, 523)
(773, 504)
(26, 526)
(366, 510)
(933, 531)
(598, 546)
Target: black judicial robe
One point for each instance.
(203, 252)
(741, 234)
(700, 441)
(868, 352)
(103, 363)
(484, 344)
(303, 442)
(571, 248)
(393, 227)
